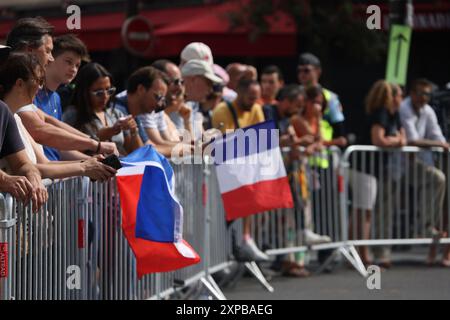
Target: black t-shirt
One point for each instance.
(10, 140)
(389, 122)
(376, 162)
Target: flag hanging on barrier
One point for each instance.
(152, 217)
(250, 171)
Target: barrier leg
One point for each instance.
(353, 257)
(207, 280)
(254, 269)
(350, 254)
(216, 286)
(327, 262)
(210, 287)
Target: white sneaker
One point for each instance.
(250, 245)
(312, 238)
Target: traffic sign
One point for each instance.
(398, 56)
(137, 35)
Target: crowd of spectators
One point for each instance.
(61, 115)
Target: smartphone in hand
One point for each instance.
(112, 161)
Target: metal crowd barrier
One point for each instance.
(314, 181)
(74, 247)
(412, 192)
(403, 212)
(78, 232)
(204, 226)
(38, 249)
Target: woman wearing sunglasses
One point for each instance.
(20, 78)
(92, 110)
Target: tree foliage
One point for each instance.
(325, 27)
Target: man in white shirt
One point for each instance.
(422, 130)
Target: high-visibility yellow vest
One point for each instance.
(326, 130)
(327, 95)
(321, 160)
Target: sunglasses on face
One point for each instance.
(177, 82)
(424, 94)
(305, 70)
(160, 99)
(160, 102)
(99, 93)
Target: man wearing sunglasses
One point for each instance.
(309, 72)
(177, 116)
(423, 130)
(419, 119)
(146, 94)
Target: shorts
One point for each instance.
(364, 189)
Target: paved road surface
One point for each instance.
(408, 279)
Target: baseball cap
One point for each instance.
(219, 71)
(309, 58)
(4, 52)
(197, 51)
(200, 68)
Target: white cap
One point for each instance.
(197, 51)
(200, 68)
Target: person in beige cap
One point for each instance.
(196, 51)
(199, 79)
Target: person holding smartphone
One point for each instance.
(93, 112)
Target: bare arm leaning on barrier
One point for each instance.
(27, 185)
(91, 167)
(58, 138)
(379, 138)
(434, 138)
(304, 135)
(65, 154)
(424, 143)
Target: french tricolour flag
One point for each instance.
(152, 217)
(250, 171)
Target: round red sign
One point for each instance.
(137, 35)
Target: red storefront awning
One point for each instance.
(175, 28)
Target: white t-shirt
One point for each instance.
(26, 139)
(29, 107)
(172, 130)
(153, 121)
(196, 120)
